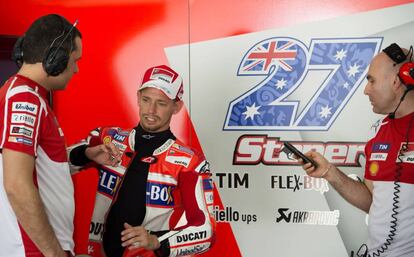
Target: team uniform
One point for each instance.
(30, 127)
(160, 184)
(383, 160)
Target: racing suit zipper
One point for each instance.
(119, 185)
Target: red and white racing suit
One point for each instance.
(178, 195)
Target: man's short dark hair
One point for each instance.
(41, 34)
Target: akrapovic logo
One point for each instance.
(326, 218)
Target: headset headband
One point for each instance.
(395, 53)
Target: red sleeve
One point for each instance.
(24, 115)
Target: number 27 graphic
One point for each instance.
(285, 63)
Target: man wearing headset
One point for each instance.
(36, 190)
(390, 158)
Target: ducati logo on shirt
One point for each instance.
(407, 155)
(179, 160)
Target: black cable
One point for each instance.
(395, 204)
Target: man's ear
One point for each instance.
(398, 83)
(177, 106)
(138, 96)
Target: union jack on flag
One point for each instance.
(274, 51)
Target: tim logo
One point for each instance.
(160, 194)
(381, 147)
(283, 65)
(119, 138)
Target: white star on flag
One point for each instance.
(280, 84)
(346, 85)
(353, 70)
(340, 55)
(325, 112)
(251, 111)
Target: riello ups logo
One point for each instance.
(283, 64)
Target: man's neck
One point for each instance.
(36, 73)
(407, 105)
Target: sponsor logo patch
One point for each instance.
(164, 147)
(108, 181)
(159, 194)
(162, 74)
(107, 139)
(407, 153)
(179, 160)
(25, 107)
(381, 147)
(23, 118)
(21, 130)
(378, 156)
(120, 146)
(119, 137)
(183, 149)
(207, 184)
(21, 140)
(326, 218)
(192, 236)
(192, 250)
(373, 168)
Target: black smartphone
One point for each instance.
(298, 153)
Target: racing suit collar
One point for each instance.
(152, 140)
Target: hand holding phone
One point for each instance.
(291, 149)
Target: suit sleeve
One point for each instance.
(197, 235)
(76, 152)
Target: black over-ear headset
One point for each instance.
(406, 72)
(17, 55)
(56, 57)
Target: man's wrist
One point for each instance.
(78, 156)
(154, 243)
(325, 172)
